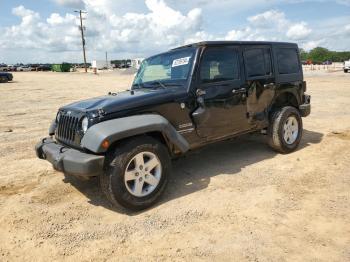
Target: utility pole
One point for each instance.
(82, 36)
(106, 61)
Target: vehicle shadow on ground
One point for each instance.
(193, 172)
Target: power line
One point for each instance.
(82, 28)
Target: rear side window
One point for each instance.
(258, 62)
(288, 62)
(219, 65)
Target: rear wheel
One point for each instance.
(285, 129)
(136, 173)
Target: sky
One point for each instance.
(39, 31)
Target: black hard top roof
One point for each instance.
(223, 43)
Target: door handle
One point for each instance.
(236, 91)
(269, 85)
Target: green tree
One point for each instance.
(320, 54)
(303, 54)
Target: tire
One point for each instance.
(345, 70)
(285, 130)
(115, 184)
(3, 79)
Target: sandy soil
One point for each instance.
(233, 201)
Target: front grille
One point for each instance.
(67, 128)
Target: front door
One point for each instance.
(221, 94)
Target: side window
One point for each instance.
(258, 62)
(219, 65)
(287, 60)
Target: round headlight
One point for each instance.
(85, 124)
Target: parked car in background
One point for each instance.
(346, 66)
(11, 68)
(5, 77)
(24, 68)
(3, 67)
(45, 67)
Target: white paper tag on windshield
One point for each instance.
(181, 61)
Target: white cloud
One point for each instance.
(311, 44)
(299, 31)
(245, 34)
(71, 3)
(268, 19)
(158, 27)
(271, 25)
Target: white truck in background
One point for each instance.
(136, 63)
(346, 66)
(101, 64)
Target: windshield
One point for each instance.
(167, 69)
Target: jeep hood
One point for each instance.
(125, 100)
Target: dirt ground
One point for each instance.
(233, 201)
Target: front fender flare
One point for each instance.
(117, 129)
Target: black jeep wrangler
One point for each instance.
(179, 101)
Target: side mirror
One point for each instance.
(200, 93)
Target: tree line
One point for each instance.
(321, 54)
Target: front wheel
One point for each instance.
(285, 129)
(136, 173)
(3, 79)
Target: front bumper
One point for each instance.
(69, 161)
(305, 109)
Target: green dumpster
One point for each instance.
(65, 67)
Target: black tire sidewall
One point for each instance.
(115, 172)
(286, 113)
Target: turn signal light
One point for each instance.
(105, 144)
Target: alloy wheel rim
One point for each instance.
(143, 174)
(290, 130)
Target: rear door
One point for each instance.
(289, 72)
(260, 82)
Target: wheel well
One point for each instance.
(156, 135)
(285, 99)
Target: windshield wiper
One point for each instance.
(159, 83)
(172, 84)
(155, 84)
(138, 85)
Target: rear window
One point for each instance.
(258, 62)
(288, 62)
